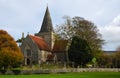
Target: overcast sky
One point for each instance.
(17, 16)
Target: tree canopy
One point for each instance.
(78, 26)
(10, 54)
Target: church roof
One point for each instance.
(40, 42)
(60, 46)
(47, 22)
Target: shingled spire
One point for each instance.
(46, 31)
(47, 22)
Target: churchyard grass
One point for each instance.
(68, 75)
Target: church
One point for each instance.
(42, 46)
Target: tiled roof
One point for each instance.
(60, 46)
(40, 42)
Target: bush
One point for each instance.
(3, 71)
(16, 71)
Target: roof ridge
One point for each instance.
(36, 37)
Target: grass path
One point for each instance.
(69, 75)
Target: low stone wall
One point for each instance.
(85, 70)
(64, 70)
(97, 70)
(44, 71)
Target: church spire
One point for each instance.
(47, 22)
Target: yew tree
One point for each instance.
(79, 52)
(10, 54)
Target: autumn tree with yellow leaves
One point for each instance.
(10, 54)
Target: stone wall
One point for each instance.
(64, 70)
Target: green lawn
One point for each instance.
(69, 75)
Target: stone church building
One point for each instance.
(42, 46)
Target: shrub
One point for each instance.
(16, 71)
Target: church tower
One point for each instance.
(46, 31)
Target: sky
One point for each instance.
(17, 16)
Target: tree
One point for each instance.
(79, 52)
(105, 60)
(66, 30)
(10, 54)
(78, 26)
(116, 59)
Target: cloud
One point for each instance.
(116, 21)
(111, 33)
(17, 16)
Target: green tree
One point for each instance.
(105, 60)
(116, 59)
(78, 26)
(10, 54)
(79, 52)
